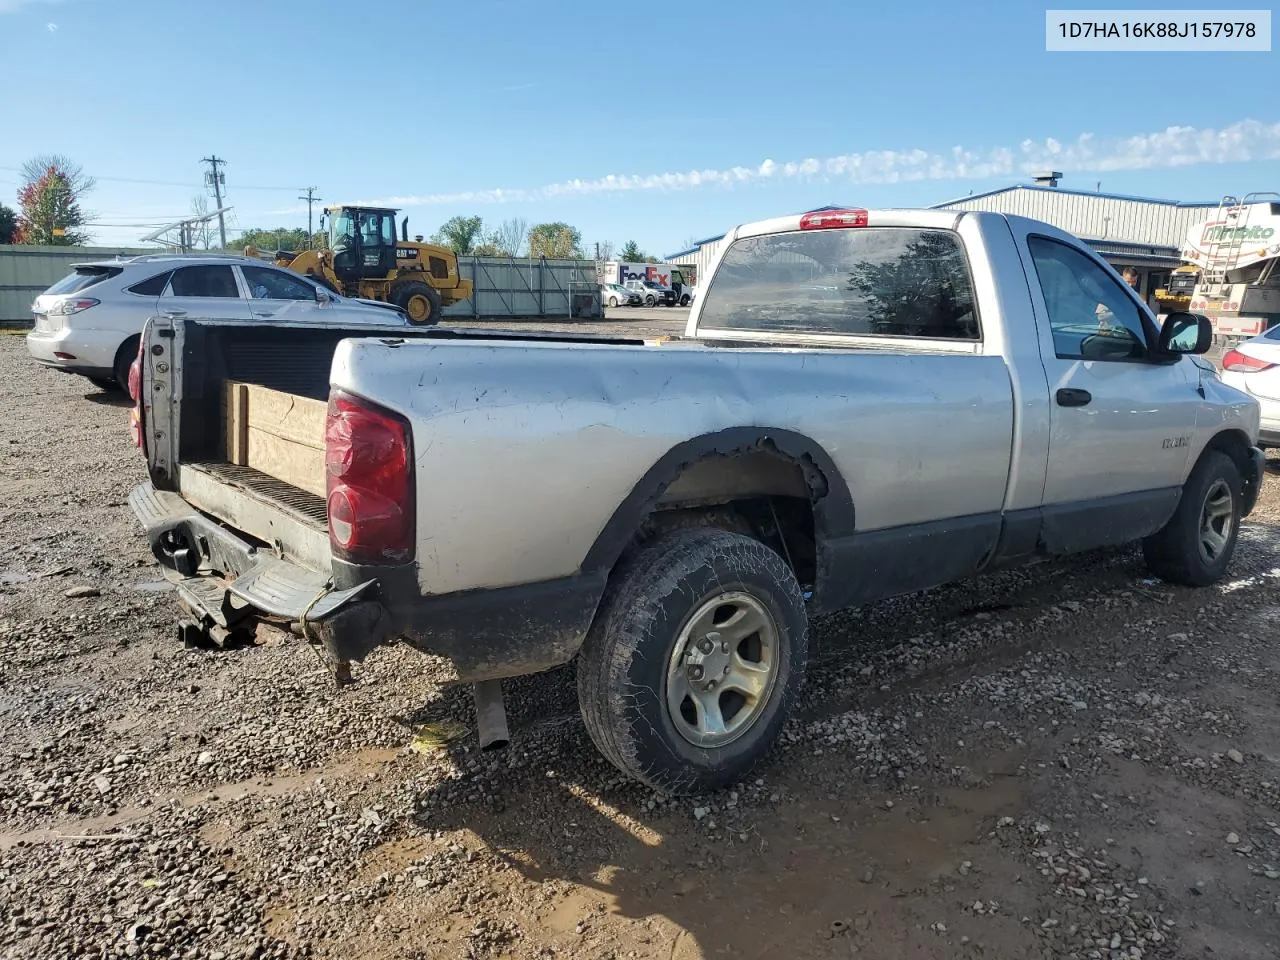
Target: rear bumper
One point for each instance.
(226, 581)
(92, 358)
(218, 573)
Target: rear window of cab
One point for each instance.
(864, 281)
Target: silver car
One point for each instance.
(88, 322)
(1254, 367)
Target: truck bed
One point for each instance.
(295, 360)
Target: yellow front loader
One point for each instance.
(366, 260)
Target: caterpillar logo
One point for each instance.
(406, 253)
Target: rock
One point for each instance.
(1235, 756)
(964, 868)
(102, 783)
(204, 759)
(77, 593)
(700, 812)
(869, 876)
(1233, 838)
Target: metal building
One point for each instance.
(1139, 232)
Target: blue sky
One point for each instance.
(523, 109)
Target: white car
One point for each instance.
(1254, 367)
(89, 321)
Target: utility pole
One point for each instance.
(310, 198)
(217, 181)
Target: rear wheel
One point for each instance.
(684, 300)
(613, 301)
(419, 300)
(125, 356)
(1197, 544)
(650, 300)
(694, 658)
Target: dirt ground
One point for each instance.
(1069, 760)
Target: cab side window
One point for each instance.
(1091, 316)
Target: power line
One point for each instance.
(165, 183)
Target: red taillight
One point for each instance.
(833, 219)
(68, 307)
(369, 479)
(1237, 362)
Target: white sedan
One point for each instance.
(1254, 367)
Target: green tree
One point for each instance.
(631, 252)
(555, 241)
(49, 202)
(281, 238)
(8, 224)
(460, 234)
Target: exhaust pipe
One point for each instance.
(404, 230)
(491, 715)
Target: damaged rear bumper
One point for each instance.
(226, 581)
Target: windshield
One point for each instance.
(342, 230)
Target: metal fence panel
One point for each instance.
(523, 288)
(28, 271)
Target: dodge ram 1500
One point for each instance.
(865, 404)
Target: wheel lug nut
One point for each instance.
(726, 671)
(695, 672)
(724, 646)
(711, 684)
(705, 645)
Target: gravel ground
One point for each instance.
(1069, 760)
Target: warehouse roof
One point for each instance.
(1081, 193)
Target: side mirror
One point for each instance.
(1184, 333)
(322, 296)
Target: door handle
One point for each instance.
(175, 313)
(1071, 397)
(264, 313)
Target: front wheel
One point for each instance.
(419, 300)
(650, 300)
(684, 300)
(1196, 546)
(696, 653)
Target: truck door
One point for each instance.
(1120, 425)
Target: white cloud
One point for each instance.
(1244, 141)
(51, 27)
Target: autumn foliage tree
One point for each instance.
(49, 202)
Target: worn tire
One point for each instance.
(408, 297)
(1175, 554)
(125, 356)
(623, 665)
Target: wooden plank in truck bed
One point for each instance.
(280, 434)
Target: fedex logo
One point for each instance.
(643, 272)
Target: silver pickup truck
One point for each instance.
(866, 403)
